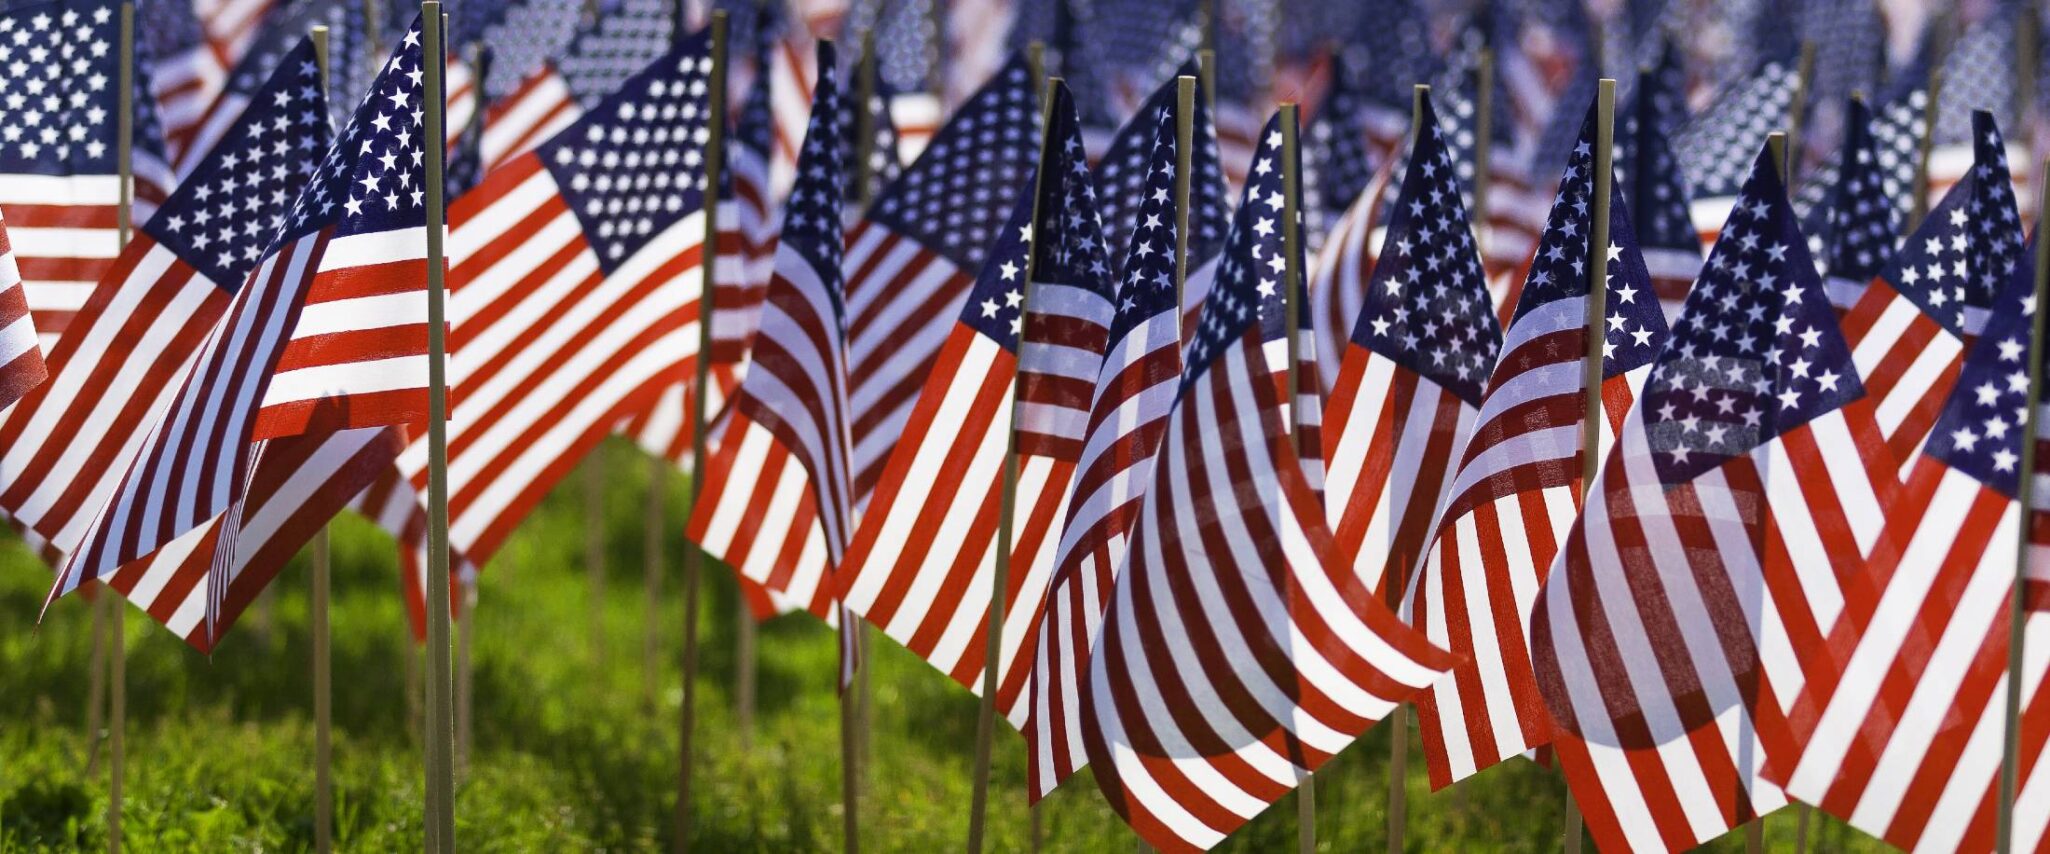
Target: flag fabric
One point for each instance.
(66, 447)
(575, 284)
(1654, 184)
(1910, 329)
(910, 261)
(1713, 149)
(1264, 201)
(1016, 375)
(194, 47)
(1134, 388)
(1908, 744)
(1517, 485)
(303, 346)
(22, 367)
(1120, 180)
(282, 29)
(1861, 222)
(1236, 654)
(1411, 379)
(60, 190)
(1338, 164)
(523, 35)
(777, 505)
(1722, 539)
(1342, 269)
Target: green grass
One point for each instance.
(573, 748)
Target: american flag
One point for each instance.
(1861, 218)
(1910, 329)
(1979, 73)
(1908, 743)
(21, 356)
(195, 47)
(328, 333)
(1338, 164)
(777, 504)
(1134, 389)
(66, 447)
(522, 35)
(886, 151)
(1654, 184)
(575, 295)
(596, 60)
(910, 260)
(1712, 148)
(1723, 537)
(1237, 655)
(59, 186)
(1343, 266)
(1120, 178)
(1411, 379)
(1517, 484)
(1016, 375)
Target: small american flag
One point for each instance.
(1907, 746)
(1265, 262)
(1407, 391)
(1237, 655)
(575, 295)
(777, 504)
(1121, 178)
(1134, 389)
(304, 347)
(1016, 375)
(1910, 329)
(283, 29)
(195, 47)
(1517, 486)
(910, 260)
(66, 447)
(1722, 539)
(1654, 184)
(59, 187)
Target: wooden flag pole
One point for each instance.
(594, 548)
(1483, 146)
(323, 662)
(440, 726)
(693, 554)
(117, 652)
(864, 191)
(985, 718)
(2025, 493)
(1292, 310)
(1797, 111)
(654, 555)
(2026, 48)
(1923, 147)
(852, 732)
(1184, 163)
(1398, 720)
(1597, 310)
(1206, 74)
(96, 684)
(466, 627)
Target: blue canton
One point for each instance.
(1256, 252)
(811, 216)
(1711, 147)
(1953, 264)
(1148, 278)
(59, 68)
(223, 215)
(1980, 431)
(1120, 176)
(1862, 220)
(626, 36)
(374, 177)
(954, 199)
(1427, 303)
(1634, 328)
(1644, 159)
(1756, 351)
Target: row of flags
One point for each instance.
(1248, 497)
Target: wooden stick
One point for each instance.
(1597, 310)
(1797, 110)
(1184, 157)
(440, 726)
(323, 662)
(654, 556)
(594, 548)
(864, 191)
(117, 675)
(1398, 720)
(1291, 282)
(2026, 49)
(2017, 611)
(466, 630)
(693, 554)
(96, 685)
(744, 661)
(985, 718)
(1206, 74)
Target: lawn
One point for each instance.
(574, 745)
